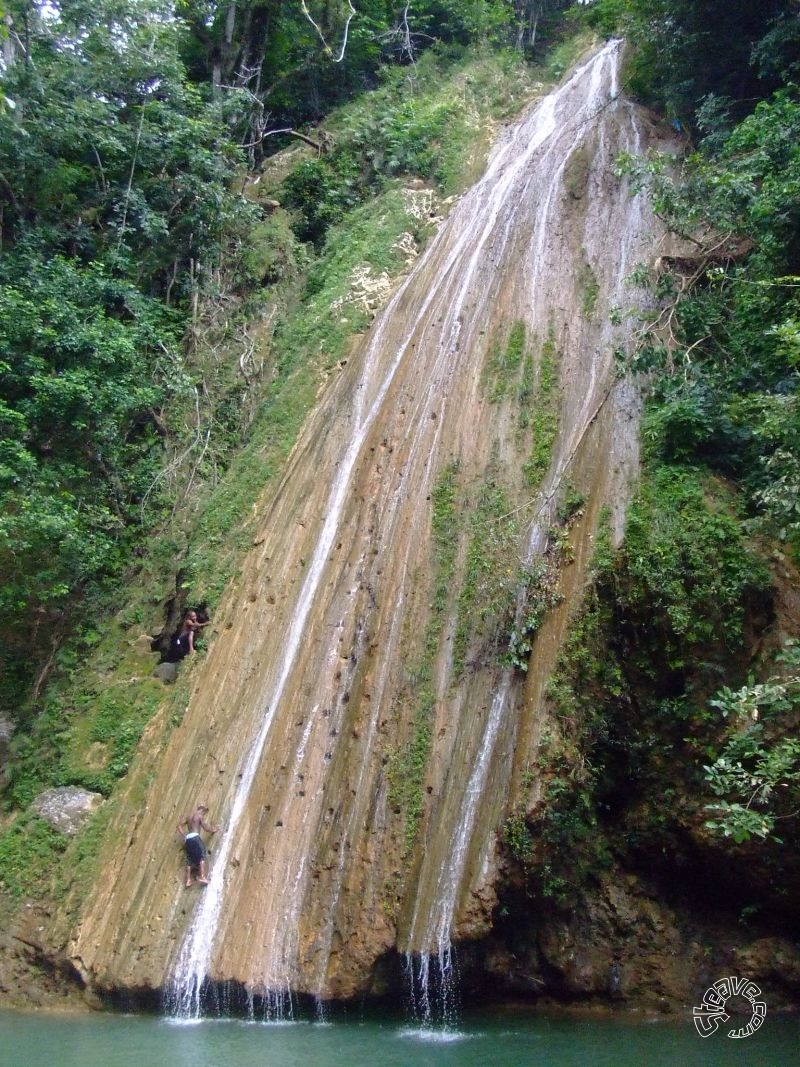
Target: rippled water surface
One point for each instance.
(502, 1040)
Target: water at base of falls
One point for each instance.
(431, 981)
(230, 999)
(433, 989)
(514, 1038)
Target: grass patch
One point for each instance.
(30, 851)
(103, 741)
(590, 290)
(490, 574)
(506, 364)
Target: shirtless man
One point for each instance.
(183, 642)
(193, 844)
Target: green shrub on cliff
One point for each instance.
(668, 613)
(756, 775)
(684, 565)
(29, 854)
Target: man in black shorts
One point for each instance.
(193, 845)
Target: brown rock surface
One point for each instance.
(314, 682)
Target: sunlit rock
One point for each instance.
(67, 808)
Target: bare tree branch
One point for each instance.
(321, 35)
(323, 145)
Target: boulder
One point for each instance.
(66, 808)
(167, 672)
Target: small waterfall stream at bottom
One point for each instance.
(432, 976)
(434, 989)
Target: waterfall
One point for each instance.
(524, 175)
(558, 126)
(311, 687)
(192, 964)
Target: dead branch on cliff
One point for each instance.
(681, 274)
(326, 47)
(324, 145)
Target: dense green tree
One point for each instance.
(688, 49)
(117, 205)
(109, 152)
(756, 776)
(79, 440)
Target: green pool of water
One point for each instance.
(498, 1040)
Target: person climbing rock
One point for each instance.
(183, 642)
(193, 844)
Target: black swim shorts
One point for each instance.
(195, 850)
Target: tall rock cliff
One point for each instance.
(362, 722)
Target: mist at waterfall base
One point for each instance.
(506, 1039)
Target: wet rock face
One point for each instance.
(623, 944)
(66, 808)
(31, 974)
(331, 665)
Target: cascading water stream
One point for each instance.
(492, 195)
(192, 963)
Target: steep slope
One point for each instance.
(357, 726)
